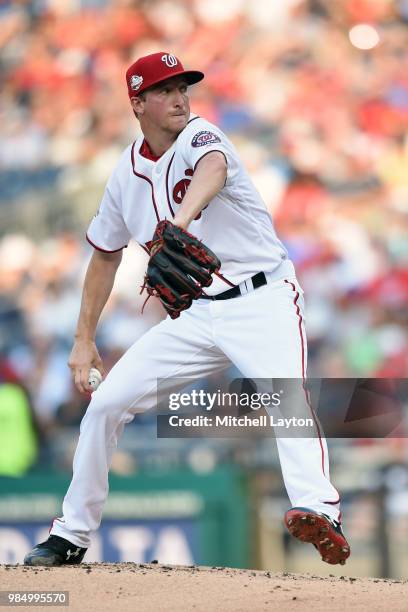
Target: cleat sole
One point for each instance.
(310, 527)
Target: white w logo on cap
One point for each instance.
(170, 60)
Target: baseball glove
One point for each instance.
(179, 267)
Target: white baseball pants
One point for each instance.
(262, 333)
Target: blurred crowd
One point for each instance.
(321, 125)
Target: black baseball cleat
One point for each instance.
(320, 530)
(55, 551)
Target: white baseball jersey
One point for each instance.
(235, 225)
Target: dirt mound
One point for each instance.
(142, 587)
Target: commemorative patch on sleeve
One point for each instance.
(204, 138)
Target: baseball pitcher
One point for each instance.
(227, 284)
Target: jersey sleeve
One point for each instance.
(201, 138)
(107, 231)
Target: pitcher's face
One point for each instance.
(165, 105)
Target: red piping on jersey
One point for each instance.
(142, 176)
(167, 183)
(295, 300)
(104, 250)
(208, 153)
(303, 367)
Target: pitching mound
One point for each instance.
(130, 586)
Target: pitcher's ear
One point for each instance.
(137, 103)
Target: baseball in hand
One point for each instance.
(94, 378)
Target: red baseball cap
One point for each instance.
(154, 68)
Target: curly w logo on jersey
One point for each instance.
(204, 138)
